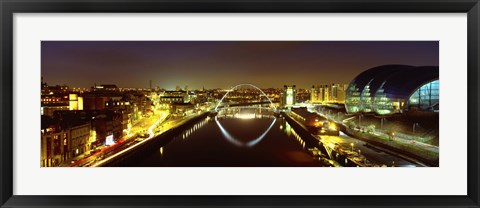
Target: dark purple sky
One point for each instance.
(222, 64)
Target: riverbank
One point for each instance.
(424, 155)
(152, 144)
(411, 150)
(328, 156)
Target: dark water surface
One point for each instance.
(236, 140)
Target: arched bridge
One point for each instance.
(272, 106)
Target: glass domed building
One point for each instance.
(390, 89)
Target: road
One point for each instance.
(398, 138)
(155, 129)
(125, 142)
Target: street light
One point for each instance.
(351, 144)
(392, 135)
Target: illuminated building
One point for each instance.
(307, 118)
(331, 93)
(171, 99)
(123, 107)
(49, 109)
(53, 152)
(98, 100)
(315, 123)
(63, 140)
(59, 99)
(338, 92)
(106, 123)
(182, 108)
(178, 96)
(314, 94)
(390, 89)
(103, 122)
(289, 96)
(79, 135)
(53, 101)
(75, 102)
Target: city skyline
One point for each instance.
(300, 104)
(222, 64)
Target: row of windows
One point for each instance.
(424, 98)
(171, 99)
(50, 100)
(79, 141)
(117, 103)
(80, 132)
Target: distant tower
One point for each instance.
(334, 92)
(150, 84)
(44, 84)
(324, 93)
(289, 95)
(314, 94)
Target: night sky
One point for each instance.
(222, 64)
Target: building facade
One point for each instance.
(63, 140)
(328, 93)
(289, 95)
(390, 89)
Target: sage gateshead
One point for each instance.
(390, 89)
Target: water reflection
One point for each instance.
(289, 131)
(194, 128)
(234, 141)
(239, 138)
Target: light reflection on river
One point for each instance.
(239, 139)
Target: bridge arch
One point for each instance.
(236, 86)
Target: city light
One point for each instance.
(245, 116)
(248, 105)
(333, 126)
(109, 140)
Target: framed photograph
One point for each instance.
(239, 103)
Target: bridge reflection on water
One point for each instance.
(236, 137)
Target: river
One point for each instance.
(236, 138)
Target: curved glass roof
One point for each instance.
(374, 89)
(374, 76)
(398, 81)
(404, 83)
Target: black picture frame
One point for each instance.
(9, 7)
